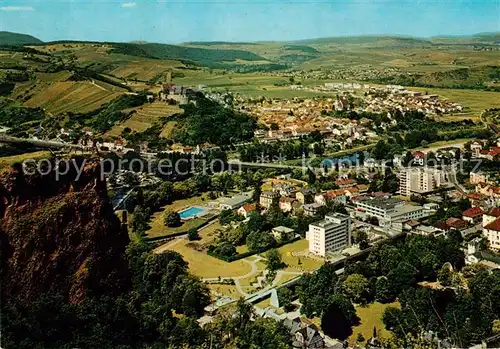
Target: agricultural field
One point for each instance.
(144, 117)
(76, 97)
(475, 101)
(144, 69)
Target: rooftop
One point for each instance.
(473, 212)
(381, 202)
(495, 225)
(234, 201)
(283, 229)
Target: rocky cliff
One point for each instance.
(59, 236)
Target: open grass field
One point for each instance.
(205, 266)
(225, 290)
(207, 234)
(144, 69)
(7, 161)
(475, 101)
(371, 316)
(306, 264)
(144, 117)
(77, 97)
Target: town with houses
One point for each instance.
(412, 207)
(338, 224)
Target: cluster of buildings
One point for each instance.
(422, 180)
(297, 117)
(388, 212)
(480, 150)
(395, 97)
(295, 200)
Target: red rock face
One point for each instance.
(59, 236)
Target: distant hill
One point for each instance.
(481, 38)
(8, 38)
(367, 40)
(200, 56)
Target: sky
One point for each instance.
(175, 21)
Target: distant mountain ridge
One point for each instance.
(14, 39)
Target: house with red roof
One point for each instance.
(287, 203)
(490, 216)
(456, 223)
(345, 183)
(418, 158)
(488, 190)
(473, 215)
(492, 232)
(246, 209)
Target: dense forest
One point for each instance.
(210, 122)
(201, 56)
(461, 308)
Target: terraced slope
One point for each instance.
(145, 116)
(70, 96)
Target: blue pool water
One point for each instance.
(191, 212)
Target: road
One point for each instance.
(39, 143)
(444, 146)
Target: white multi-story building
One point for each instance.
(420, 180)
(388, 210)
(332, 234)
(491, 227)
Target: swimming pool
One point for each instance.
(191, 212)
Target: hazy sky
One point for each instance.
(172, 21)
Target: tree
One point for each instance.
(392, 318)
(357, 288)
(496, 326)
(193, 234)
(259, 241)
(360, 338)
(383, 292)
(316, 288)
(140, 219)
(338, 317)
(274, 261)
(225, 249)
(361, 238)
(445, 275)
(285, 297)
(226, 216)
(172, 219)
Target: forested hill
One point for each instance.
(202, 56)
(8, 38)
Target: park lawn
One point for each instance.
(371, 316)
(444, 143)
(225, 290)
(194, 223)
(263, 304)
(241, 249)
(157, 225)
(247, 282)
(292, 262)
(285, 278)
(205, 266)
(207, 234)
